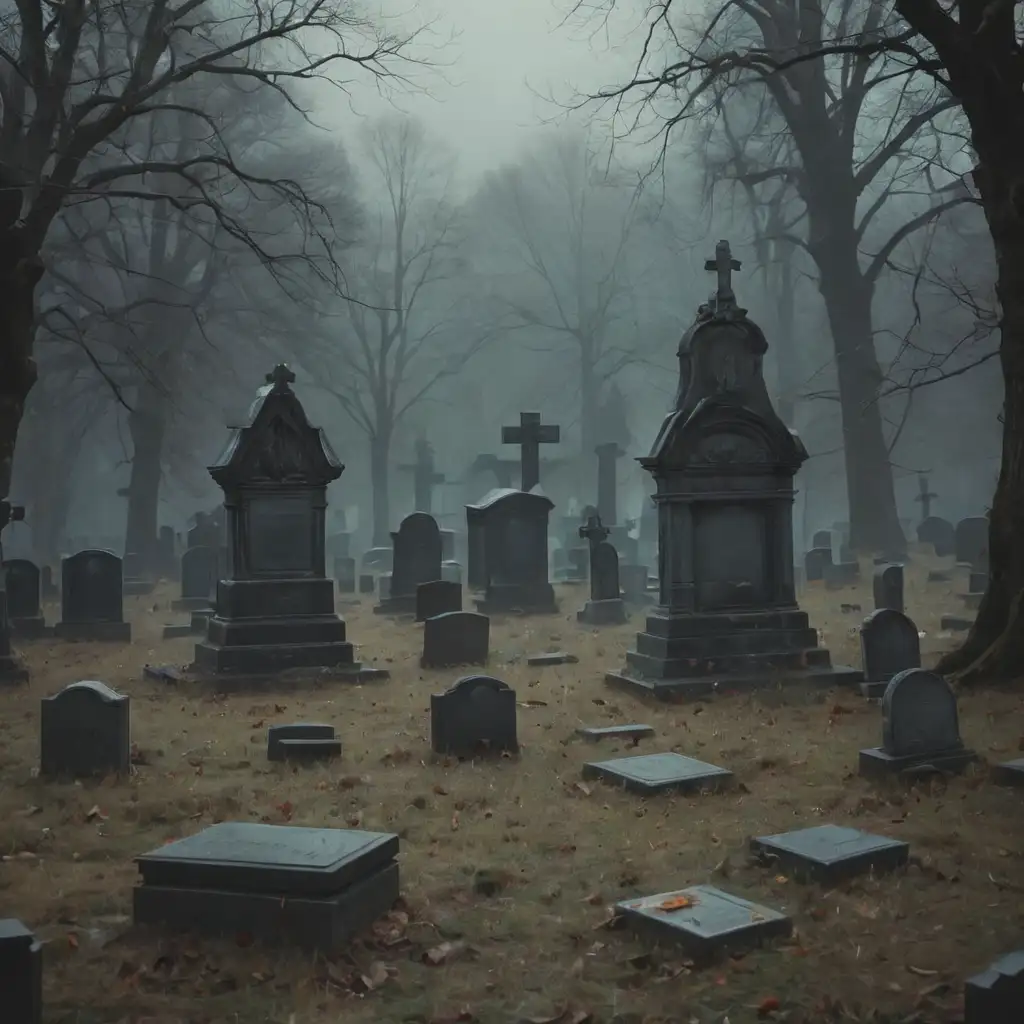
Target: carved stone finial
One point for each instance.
(281, 376)
(723, 264)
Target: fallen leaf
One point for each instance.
(375, 976)
(676, 903)
(455, 821)
(583, 788)
(767, 1006)
(442, 954)
(440, 790)
(95, 812)
(72, 940)
(921, 972)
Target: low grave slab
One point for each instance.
(647, 774)
(311, 887)
(1009, 773)
(704, 920)
(302, 741)
(996, 996)
(552, 658)
(830, 853)
(21, 973)
(615, 732)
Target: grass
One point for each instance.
(510, 867)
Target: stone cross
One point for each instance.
(925, 496)
(281, 376)
(424, 477)
(530, 435)
(594, 531)
(724, 265)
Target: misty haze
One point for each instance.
(511, 512)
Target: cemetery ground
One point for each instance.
(510, 867)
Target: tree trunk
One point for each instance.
(147, 423)
(589, 412)
(787, 359)
(380, 453)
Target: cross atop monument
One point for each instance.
(281, 376)
(724, 265)
(594, 531)
(924, 496)
(530, 435)
(424, 476)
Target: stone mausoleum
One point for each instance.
(724, 463)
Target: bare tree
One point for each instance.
(75, 78)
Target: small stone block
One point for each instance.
(615, 732)
(657, 773)
(315, 731)
(831, 853)
(703, 920)
(200, 620)
(21, 974)
(94, 632)
(956, 623)
(876, 763)
(553, 658)
(874, 691)
(996, 996)
(308, 750)
(1009, 773)
(175, 632)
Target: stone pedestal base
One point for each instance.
(29, 628)
(611, 612)
(538, 599)
(876, 763)
(190, 604)
(199, 620)
(270, 657)
(94, 632)
(12, 671)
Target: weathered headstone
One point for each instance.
(633, 579)
(822, 539)
(971, 542)
(939, 533)
(85, 730)
(615, 732)
(437, 597)
(92, 601)
(311, 887)
(456, 638)
(647, 774)
(920, 728)
(605, 606)
(476, 715)
(24, 612)
(889, 644)
(367, 583)
(200, 567)
(830, 853)
(302, 741)
(345, 574)
(888, 587)
(417, 547)
(996, 996)
(815, 562)
(135, 578)
(21, 973)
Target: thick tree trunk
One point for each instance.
(589, 411)
(787, 360)
(147, 424)
(380, 453)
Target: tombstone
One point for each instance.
(607, 482)
(311, 887)
(887, 584)
(417, 547)
(841, 574)
(455, 638)
(384, 586)
(302, 741)
(378, 559)
(634, 584)
(889, 644)
(634, 732)
(424, 476)
(508, 534)
(339, 544)
(924, 497)
(21, 973)
(648, 774)
(920, 728)
(815, 562)
(829, 854)
(451, 572)
(275, 607)
(971, 542)
(939, 533)
(605, 606)
(345, 574)
(85, 731)
(476, 715)
(22, 580)
(200, 567)
(134, 581)
(996, 996)
(49, 590)
(724, 464)
(204, 533)
(530, 435)
(367, 583)
(822, 539)
(92, 602)
(437, 597)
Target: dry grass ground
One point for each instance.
(529, 945)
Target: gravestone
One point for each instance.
(648, 774)
(384, 586)
(200, 567)
(887, 584)
(971, 542)
(366, 583)
(829, 854)
(21, 973)
(939, 533)
(476, 715)
(275, 607)
(724, 464)
(703, 921)
(312, 887)
(924, 496)
(85, 731)
(977, 584)
(436, 598)
(378, 559)
(1009, 773)
(134, 579)
(996, 996)
(530, 435)
(633, 579)
(425, 477)
(822, 539)
(451, 571)
(815, 562)
(889, 644)
(345, 574)
(302, 741)
(92, 600)
(841, 574)
(605, 606)
(22, 580)
(417, 547)
(608, 455)
(456, 638)
(920, 728)
(50, 590)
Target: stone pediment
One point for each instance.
(279, 445)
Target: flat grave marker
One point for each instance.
(21, 973)
(831, 853)
(615, 732)
(647, 774)
(996, 996)
(1010, 773)
(302, 741)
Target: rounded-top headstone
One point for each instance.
(919, 715)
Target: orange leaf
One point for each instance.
(72, 940)
(676, 903)
(768, 1005)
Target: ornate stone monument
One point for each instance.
(724, 463)
(275, 607)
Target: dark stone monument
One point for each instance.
(924, 497)
(424, 476)
(21, 973)
(647, 774)
(345, 574)
(1009, 773)
(889, 644)
(476, 715)
(971, 542)
(724, 464)
(366, 583)
(939, 533)
(24, 612)
(85, 731)
(816, 561)
(530, 435)
(508, 533)
(311, 887)
(275, 608)
(830, 853)
(605, 606)
(703, 921)
(436, 598)
(92, 601)
(200, 567)
(920, 728)
(996, 996)
(417, 547)
(456, 638)
(822, 539)
(302, 741)
(888, 587)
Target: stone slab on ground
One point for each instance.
(175, 632)
(1009, 773)
(874, 762)
(288, 679)
(21, 973)
(672, 690)
(996, 996)
(647, 774)
(704, 920)
(552, 658)
(615, 732)
(830, 853)
(302, 741)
